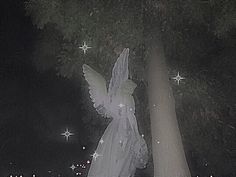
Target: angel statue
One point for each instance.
(121, 149)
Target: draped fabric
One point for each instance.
(122, 149)
(118, 158)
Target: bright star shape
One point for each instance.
(95, 155)
(101, 141)
(72, 167)
(67, 134)
(121, 105)
(178, 78)
(85, 47)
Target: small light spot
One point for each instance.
(83, 148)
(121, 105)
(142, 135)
(79, 173)
(101, 141)
(88, 162)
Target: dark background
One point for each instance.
(30, 143)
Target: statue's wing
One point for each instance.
(120, 72)
(97, 89)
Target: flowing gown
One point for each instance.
(121, 149)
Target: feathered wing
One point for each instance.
(120, 73)
(97, 89)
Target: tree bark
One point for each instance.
(167, 148)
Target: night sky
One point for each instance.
(35, 107)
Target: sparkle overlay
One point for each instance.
(85, 47)
(95, 155)
(67, 134)
(178, 78)
(72, 167)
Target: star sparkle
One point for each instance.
(67, 134)
(73, 167)
(85, 47)
(95, 155)
(178, 78)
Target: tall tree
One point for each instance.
(157, 32)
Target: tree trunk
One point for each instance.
(168, 153)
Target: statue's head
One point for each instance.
(128, 86)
